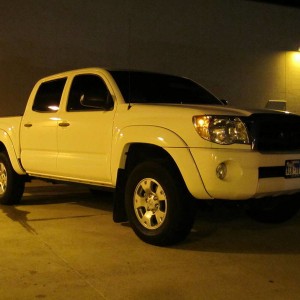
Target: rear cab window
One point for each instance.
(48, 96)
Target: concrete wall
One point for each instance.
(240, 50)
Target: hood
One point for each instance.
(203, 109)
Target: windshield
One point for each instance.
(143, 87)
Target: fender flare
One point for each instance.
(9, 147)
(170, 142)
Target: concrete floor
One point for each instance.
(61, 243)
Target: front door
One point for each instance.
(85, 132)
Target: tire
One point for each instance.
(158, 209)
(11, 184)
(274, 209)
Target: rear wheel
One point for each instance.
(159, 211)
(11, 183)
(274, 209)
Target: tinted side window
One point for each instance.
(86, 87)
(48, 96)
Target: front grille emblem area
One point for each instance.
(274, 132)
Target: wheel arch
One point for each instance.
(6, 146)
(145, 135)
(156, 141)
(140, 152)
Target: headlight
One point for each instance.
(224, 130)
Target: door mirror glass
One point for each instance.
(97, 102)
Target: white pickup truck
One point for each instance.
(159, 141)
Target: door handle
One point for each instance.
(28, 125)
(64, 124)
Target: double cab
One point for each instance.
(159, 142)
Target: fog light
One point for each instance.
(221, 171)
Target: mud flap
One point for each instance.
(119, 212)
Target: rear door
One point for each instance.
(39, 129)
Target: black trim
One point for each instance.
(270, 172)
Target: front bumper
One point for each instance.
(242, 180)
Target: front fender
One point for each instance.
(166, 139)
(8, 145)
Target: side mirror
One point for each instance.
(97, 102)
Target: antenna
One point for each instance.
(129, 91)
(129, 62)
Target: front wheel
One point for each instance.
(11, 183)
(159, 211)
